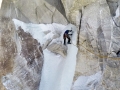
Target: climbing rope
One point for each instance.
(99, 55)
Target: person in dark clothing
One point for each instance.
(67, 34)
(118, 53)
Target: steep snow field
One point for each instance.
(58, 72)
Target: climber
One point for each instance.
(67, 34)
(118, 53)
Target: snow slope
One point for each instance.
(57, 71)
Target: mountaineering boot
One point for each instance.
(69, 43)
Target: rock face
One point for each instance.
(73, 7)
(21, 58)
(8, 48)
(111, 79)
(98, 39)
(93, 37)
(37, 11)
(99, 43)
(113, 4)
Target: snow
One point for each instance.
(58, 72)
(117, 13)
(37, 30)
(0, 3)
(87, 82)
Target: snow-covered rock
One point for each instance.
(58, 48)
(49, 40)
(87, 82)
